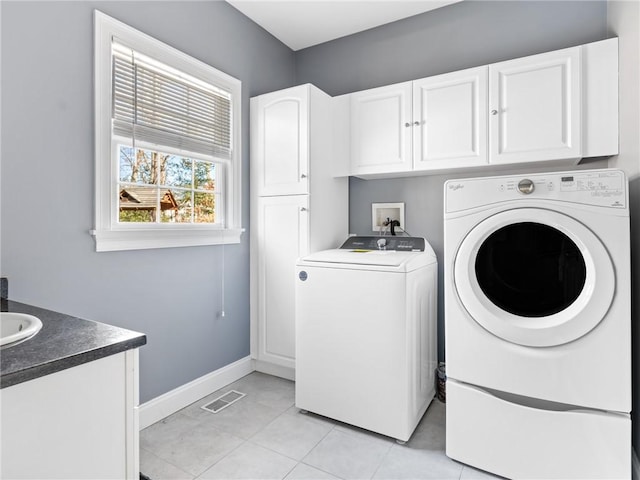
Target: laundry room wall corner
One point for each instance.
(623, 21)
(634, 204)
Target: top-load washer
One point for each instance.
(366, 341)
(537, 324)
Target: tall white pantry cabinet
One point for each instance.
(297, 207)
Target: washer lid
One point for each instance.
(359, 257)
(404, 261)
(388, 253)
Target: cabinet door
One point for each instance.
(450, 112)
(78, 423)
(280, 142)
(381, 130)
(534, 105)
(282, 239)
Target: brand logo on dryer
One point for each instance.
(455, 186)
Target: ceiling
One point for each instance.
(304, 23)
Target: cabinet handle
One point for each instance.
(303, 176)
(303, 209)
(407, 124)
(494, 112)
(416, 123)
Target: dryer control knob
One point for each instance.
(526, 186)
(382, 243)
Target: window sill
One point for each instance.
(116, 240)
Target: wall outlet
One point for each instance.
(380, 212)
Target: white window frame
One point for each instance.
(110, 235)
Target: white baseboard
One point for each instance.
(635, 465)
(275, 370)
(170, 402)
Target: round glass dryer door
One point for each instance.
(534, 277)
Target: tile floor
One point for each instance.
(264, 436)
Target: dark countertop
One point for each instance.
(63, 342)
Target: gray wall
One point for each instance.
(458, 36)
(455, 37)
(172, 295)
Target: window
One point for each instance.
(167, 145)
(156, 187)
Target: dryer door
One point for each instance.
(534, 277)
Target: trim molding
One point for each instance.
(635, 465)
(178, 398)
(276, 370)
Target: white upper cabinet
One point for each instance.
(381, 123)
(557, 107)
(599, 61)
(433, 123)
(535, 108)
(449, 128)
(281, 139)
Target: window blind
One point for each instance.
(152, 102)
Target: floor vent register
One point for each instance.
(223, 401)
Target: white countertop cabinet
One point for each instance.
(78, 423)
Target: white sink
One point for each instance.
(17, 327)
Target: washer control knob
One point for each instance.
(382, 243)
(526, 186)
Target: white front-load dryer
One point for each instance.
(537, 324)
(366, 338)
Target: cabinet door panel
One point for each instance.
(451, 112)
(282, 239)
(535, 108)
(71, 424)
(380, 140)
(282, 143)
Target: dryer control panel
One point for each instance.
(601, 188)
(399, 244)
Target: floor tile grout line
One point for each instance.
(318, 443)
(373, 436)
(351, 434)
(320, 469)
(168, 462)
(373, 475)
(221, 458)
(284, 455)
(180, 467)
(249, 439)
(345, 429)
(291, 470)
